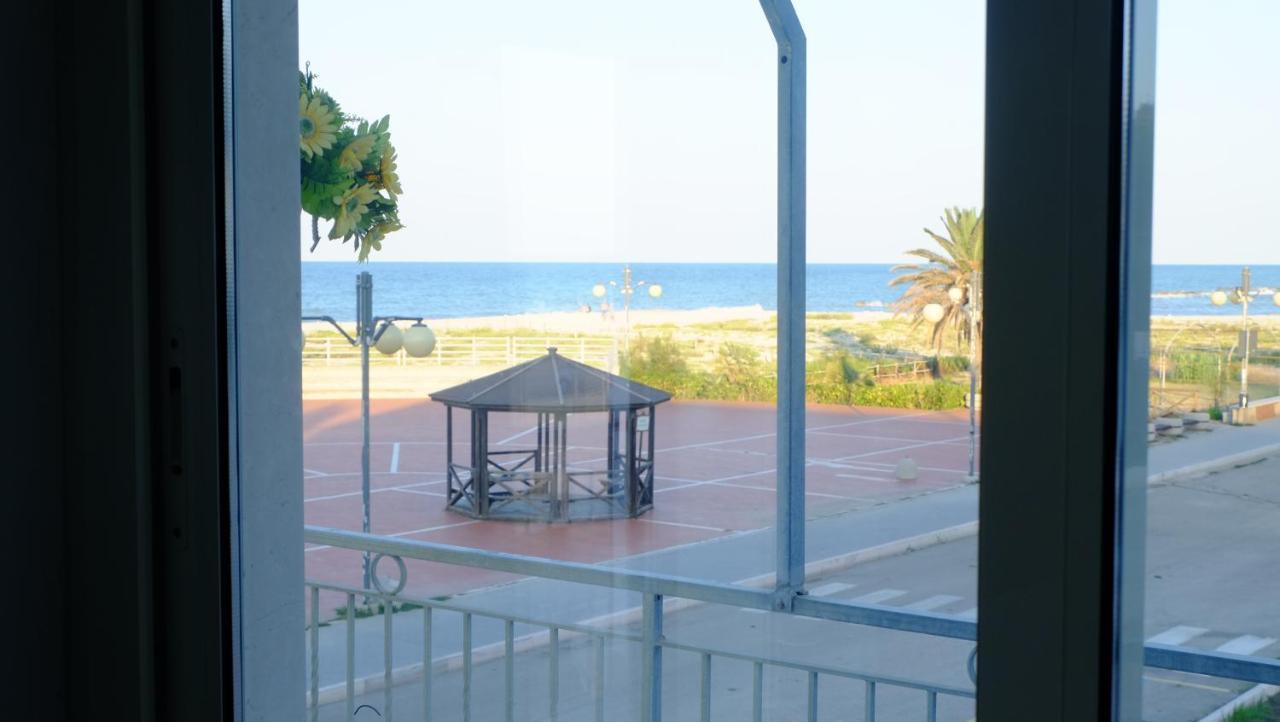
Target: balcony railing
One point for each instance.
(655, 590)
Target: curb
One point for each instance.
(1257, 694)
(495, 650)
(1221, 462)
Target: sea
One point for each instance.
(454, 290)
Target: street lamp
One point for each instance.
(1242, 296)
(379, 332)
(970, 302)
(627, 289)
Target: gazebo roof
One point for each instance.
(551, 383)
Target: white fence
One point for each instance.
(498, 351)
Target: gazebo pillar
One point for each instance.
(629, 466)
(480, 460)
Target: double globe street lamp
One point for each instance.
(382, 333)
(1242, 296)
(627, 289)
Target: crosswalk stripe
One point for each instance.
(1246, 644)
(939, 600)
(1177, 635)
(877, 597)
(827, 590)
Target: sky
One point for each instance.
(601, 130)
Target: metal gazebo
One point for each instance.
(540, 483)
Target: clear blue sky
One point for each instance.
(603, 130)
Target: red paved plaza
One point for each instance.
(714, 476)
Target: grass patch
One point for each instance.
(1264, 711)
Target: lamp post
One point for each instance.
(627, 289)
(378, 332)
(970, 302)
(1242, 295)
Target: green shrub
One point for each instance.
(935, 396)
(837, 367)
(947, 365)
(739, 374)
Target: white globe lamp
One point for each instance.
(1276, 298)
(1218, 298)
(598, 290)
(419, 340)
(955, 293)
(933, 312)
(390, 340)
(655, 291)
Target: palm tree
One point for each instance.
(953, 267)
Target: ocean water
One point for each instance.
(451, 290)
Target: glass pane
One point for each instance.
(570, 353)
(590, 234)
(1215, 357)
(894, 329)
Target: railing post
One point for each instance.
(651, 664)
(314, 630)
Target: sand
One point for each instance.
(595, 322)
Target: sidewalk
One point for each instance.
(1204, 450)
(832, 542)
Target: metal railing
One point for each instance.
(325, 350)
(654, 588)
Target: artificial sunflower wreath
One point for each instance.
(348, 171)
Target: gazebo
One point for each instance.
(540, 483)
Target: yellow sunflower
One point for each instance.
(387, 172)
(352, 157)
(316, 124)
(351, 206)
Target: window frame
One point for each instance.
(1070, 102)
(1096, 57)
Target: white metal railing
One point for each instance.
(653, 588)
(326, 350)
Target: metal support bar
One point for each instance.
(870, 711)
(314, 629)
(351, 656)
(364, 333)
(812, 705)
(509, 670)
(789, 555)
(706, 688)
(466, 667)
(600, 686)
(388, 608)
(757, 692)
(651, 663)
(427, 661)
(553, 662)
